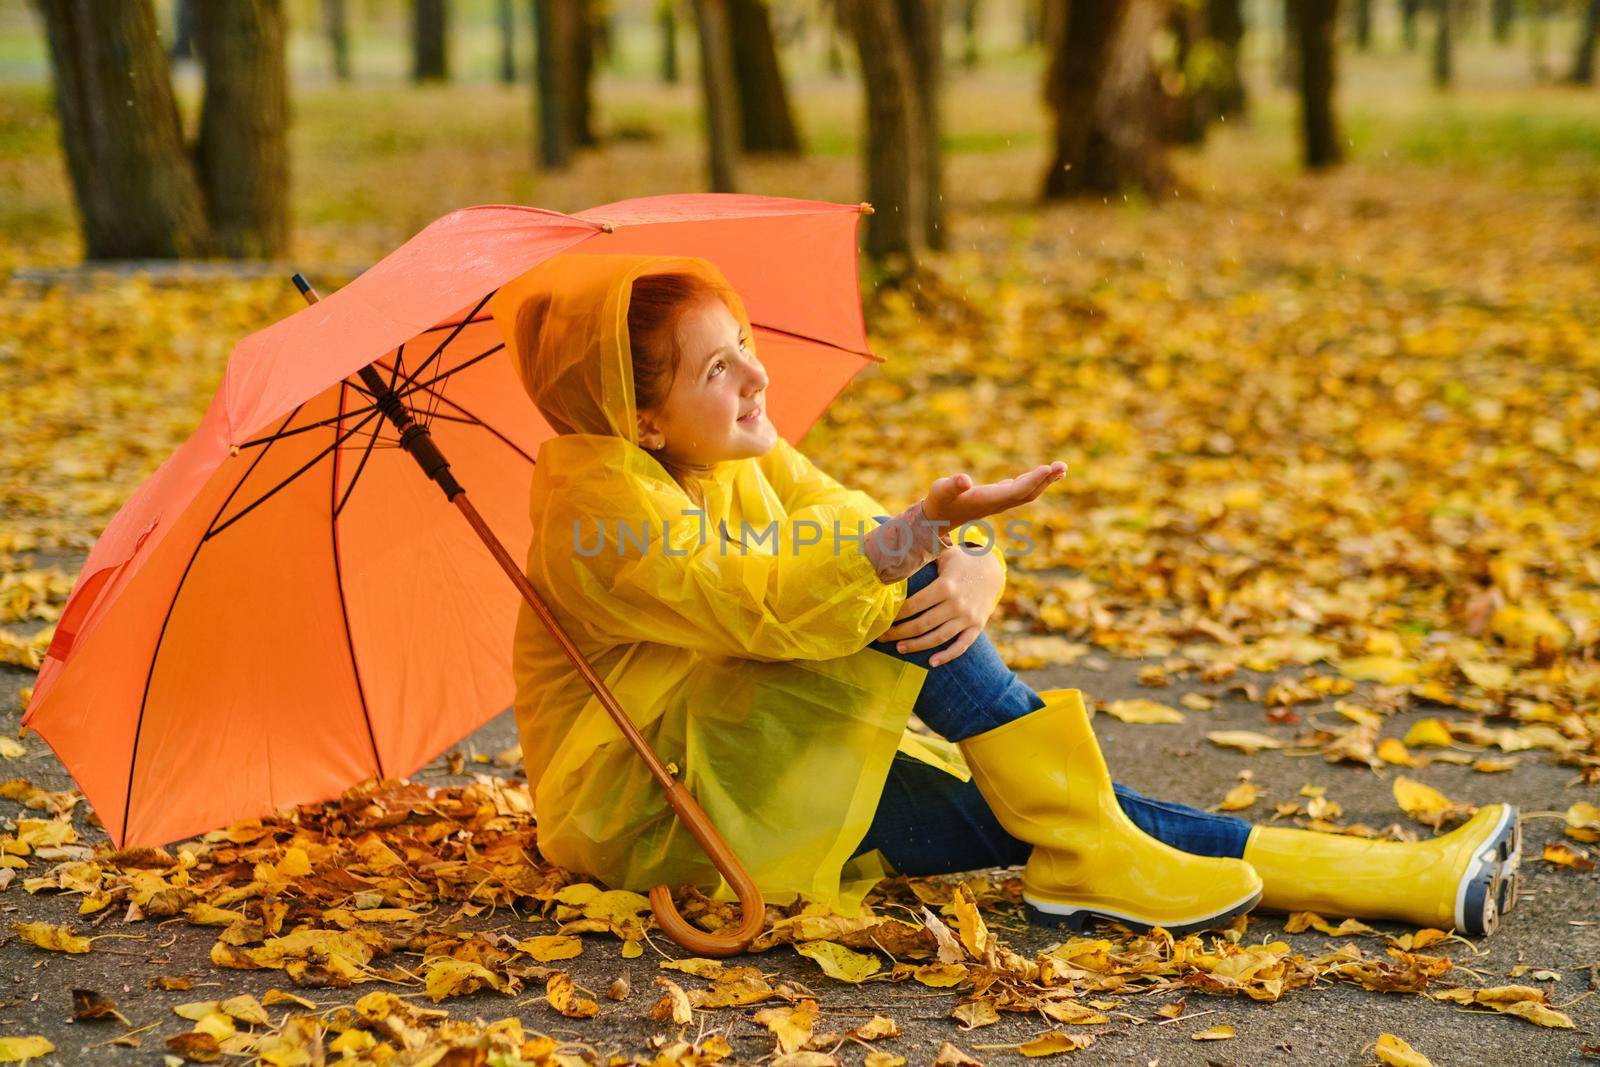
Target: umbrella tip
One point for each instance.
(866, 208)
(605, 227)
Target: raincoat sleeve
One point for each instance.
(795, 591)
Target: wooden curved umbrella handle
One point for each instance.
(752, 908)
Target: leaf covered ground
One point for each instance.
(1329, 547)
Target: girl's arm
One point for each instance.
(903, 545)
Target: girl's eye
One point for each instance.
(714, 367)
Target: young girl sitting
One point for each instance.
(770, 632)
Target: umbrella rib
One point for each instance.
(338, 584)
(155, 653)
(471, 418)
(471, 315)
(402, 393)
(263, 498)
(817, 341)
(451, 325)
(367, 454)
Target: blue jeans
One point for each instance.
(931, 822)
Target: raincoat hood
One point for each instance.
(566, 326)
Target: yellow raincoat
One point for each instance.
(751, 672)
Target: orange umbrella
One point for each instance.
(286, 606)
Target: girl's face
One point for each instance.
(716, 407)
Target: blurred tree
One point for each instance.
(1225, 27)
(430, 40)
(766, 121)
(1316, 22)
(922, 24)
(1102, 96)
(1443, 48)
(667, 23)
(969, 34)
(336, 26)
(720, 91)
(242, 152)
(1501, 13)
(896, 160)
(833, 18)
(593, 35)
(136, 192)
(563, 45)
(555, 25)
(1361, 24)
(506, 16)
(1408, 23)
(1188, 84)
(1588, 37)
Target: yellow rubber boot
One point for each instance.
(1462, 880)
(1047, 784)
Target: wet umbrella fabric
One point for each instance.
(287, 606)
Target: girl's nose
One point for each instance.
(757, 377)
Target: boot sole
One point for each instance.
(1489, 885)
(1079, 918)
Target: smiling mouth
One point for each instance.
(751, 416)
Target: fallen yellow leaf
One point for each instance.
(1143, 711)
(1393, 1052)
(839, 962)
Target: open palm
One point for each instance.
(956, 500)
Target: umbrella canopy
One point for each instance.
(288, 606)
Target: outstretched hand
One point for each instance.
(956, 500)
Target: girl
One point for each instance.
(773, 643)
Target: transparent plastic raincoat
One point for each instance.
(749, 670)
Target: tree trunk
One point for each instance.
(1225, 27)
(1408, 23)
(766, 122)
(1501, 14)
(554, 27)
(1099, 87)
(243, 150)
(1186, 115)
(969, 34)
(833, 17)
(1316, 24)
(135, 189)
(589, 37)
(667, 22)
(1361, 24)
(336, 27)
(895, 157)
(506, 14)
(922, 23)
(719, 91)
(1583, 59)
(1443, 57)
(430, 34)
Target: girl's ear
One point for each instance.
(650, 436)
